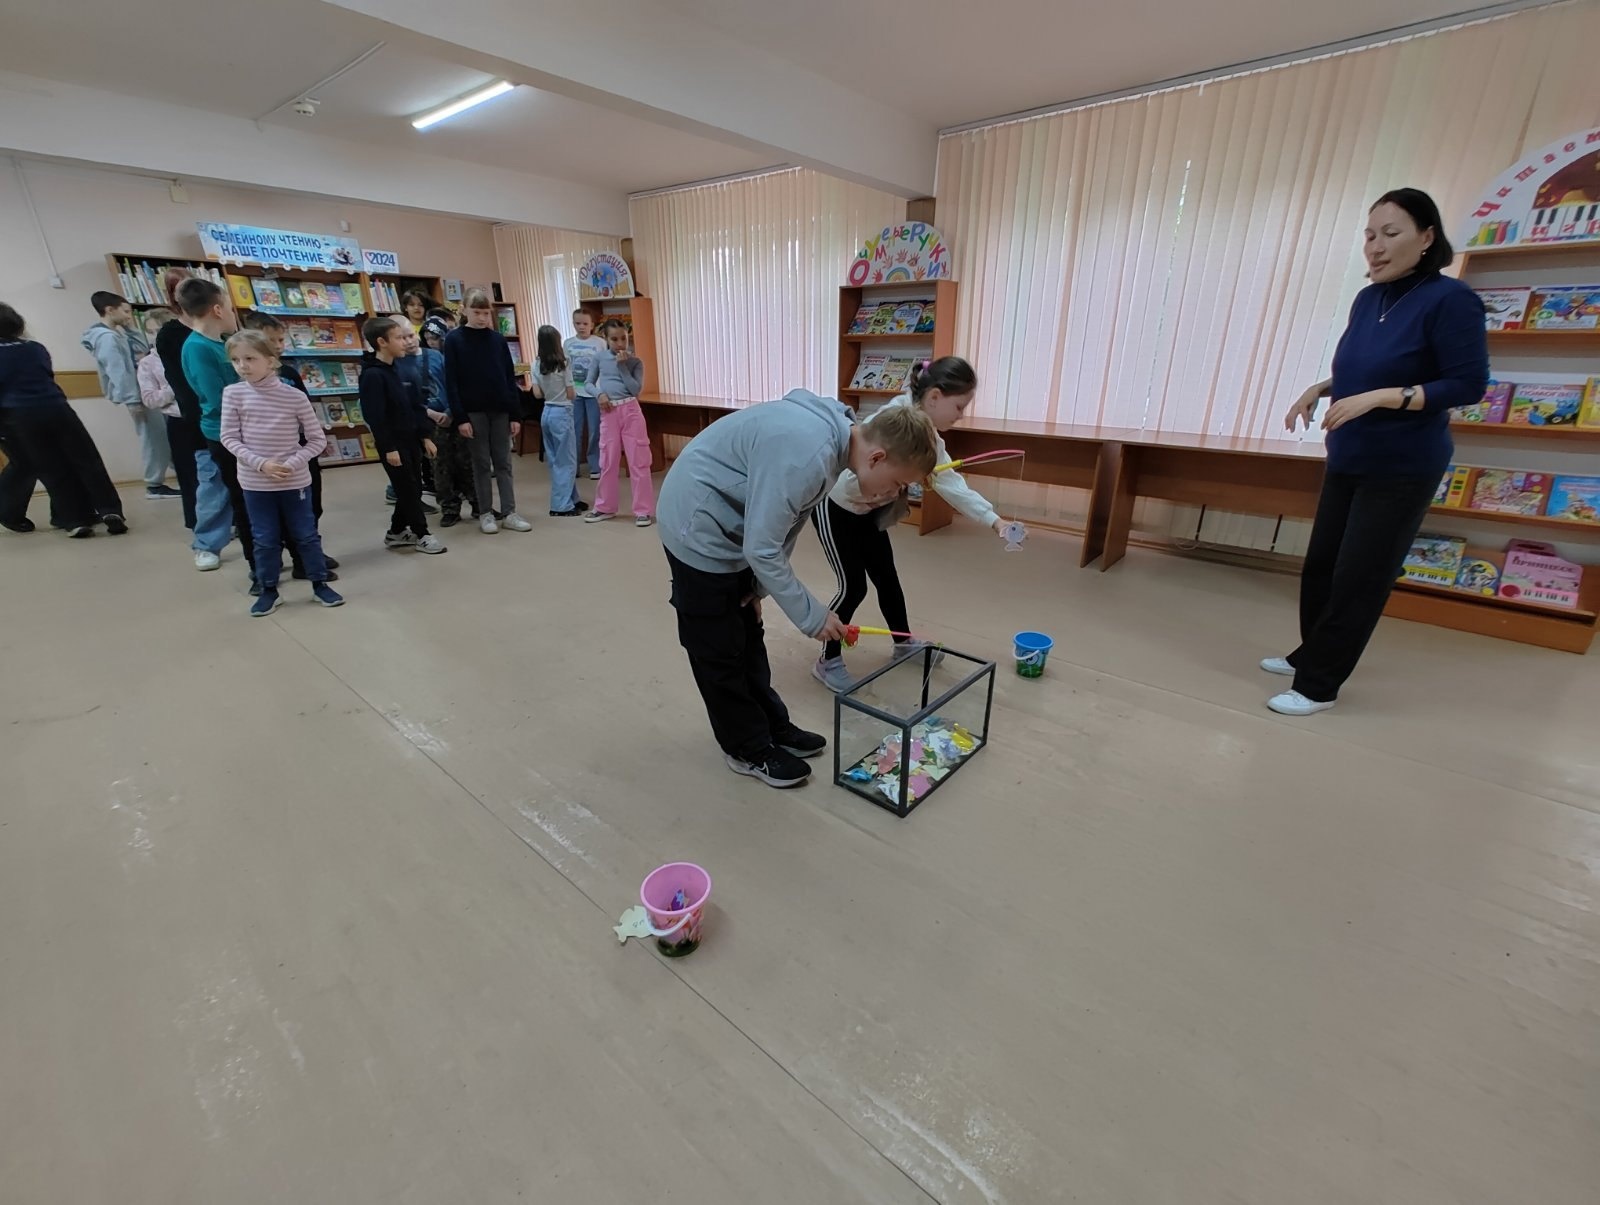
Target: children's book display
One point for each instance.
(385, 296)
(140, 282)
(330, 376)
(1527, 571)
(325, 334)
(1573, 498)
(893, 318)
(305, 296)
(881, 373)
(1574, 404)
(869, 372)
(1542, 307)
(1505, 309)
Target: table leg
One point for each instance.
(934, 513)
(1108, 461)
(1119, 514)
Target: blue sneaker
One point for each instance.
(327, 596)
(265, 605)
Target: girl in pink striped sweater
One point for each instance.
(263, 417)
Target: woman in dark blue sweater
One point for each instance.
(1414, 349)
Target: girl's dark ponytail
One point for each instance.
(948, 374)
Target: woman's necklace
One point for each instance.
(1383, 314)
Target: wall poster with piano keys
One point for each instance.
(1550, 196)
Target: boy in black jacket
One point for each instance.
(486, 405)
(400, 428)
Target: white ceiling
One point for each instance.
(955, 61)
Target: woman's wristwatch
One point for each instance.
(1406, 394)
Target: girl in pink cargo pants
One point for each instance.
(622, 432)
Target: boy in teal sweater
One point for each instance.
(219, 502)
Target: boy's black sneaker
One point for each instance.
(799, 742)
(450, 518)
(265, 605)
(115, 524)
(21, 526)
(775, 767)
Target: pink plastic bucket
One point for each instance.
(681, 925)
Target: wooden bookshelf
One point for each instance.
(1568, 527)
(1527, 623)
(138, 289)
(1555, 436)
(940, 341)
(1523, 340)
(639, 312)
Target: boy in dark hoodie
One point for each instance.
(401, 429)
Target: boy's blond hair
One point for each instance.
(254, 340)
(906, 435)
(476, 299)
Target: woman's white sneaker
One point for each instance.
(1277, 665)
(1292, 702)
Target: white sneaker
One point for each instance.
(207, 561)
(1292, 702)
(515, 522)
(487, 523)
(1277, 665)
(643, 521)
(431, 544)
(598, 516)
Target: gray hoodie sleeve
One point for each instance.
(114, 357)
(775, 511)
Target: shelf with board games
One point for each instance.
(910, 320)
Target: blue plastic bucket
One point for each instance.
(1032, 649)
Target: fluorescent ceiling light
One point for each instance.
(471, 100)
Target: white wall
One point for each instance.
(87, 212)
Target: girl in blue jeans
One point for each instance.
(552, 381)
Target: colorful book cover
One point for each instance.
(353, 413)
(301, 335)
(868, 372)
(905, 318)
(267, 293)
(862, 320)
(1545, 405)
(1575, 498)
(881, 319)
(293, 296)
(350, 449)
(320, 409)
(239, 289)
(505, 321)
(1480, 573)
(1534, 572)
(1434, 560)
(369, 447)
(1510, 492)
(895, 375)
(1565, 308)
(343, 335)
(1459, 487)
(925, 323)
(1495, 406)
(354, 303)
(336, 414)
(1589, 412)
(316, 295)
(1505, 309)
(311, 373)
(324, 334)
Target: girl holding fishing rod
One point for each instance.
(855, 529)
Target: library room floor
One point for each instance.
(319, 909)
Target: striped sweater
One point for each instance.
(264, 422)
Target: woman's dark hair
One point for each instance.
(947, 374)
(417, 295)
(1425, 213)
(552, 357)
(12, 326)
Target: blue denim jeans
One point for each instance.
(279, 515)
(213, 512)
(560, 455)
(586, 414)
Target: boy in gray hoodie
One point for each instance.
(117, 344)
(731, 509)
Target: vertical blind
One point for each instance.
(745, 278)
(539, 272)
(1183, 260)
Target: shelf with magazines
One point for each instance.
(902, 322)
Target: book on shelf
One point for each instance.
(353, 414)
(1480, 573)
(313, 376)
(505, 320)
(140, 282)
(316, 295)
(895, 374)
(1576, 499)
(1454, 486)
(343, 334)
(350, 449)
(1510, 491)
(1434, 560)
(1495, 406)
(240, 291)
(1564, 308)
(860, 324)
(1589, 411)
(369, 446)
(1535, 572)
(293, 295)
(1505, 309)
(1545, 405)
(268, 293)
(336, 414)
(868, 372)
(300, 335)
(515, 347)
(354, 303)
(905, 318)
(320, 409)
(925, 322)
(881, 319)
